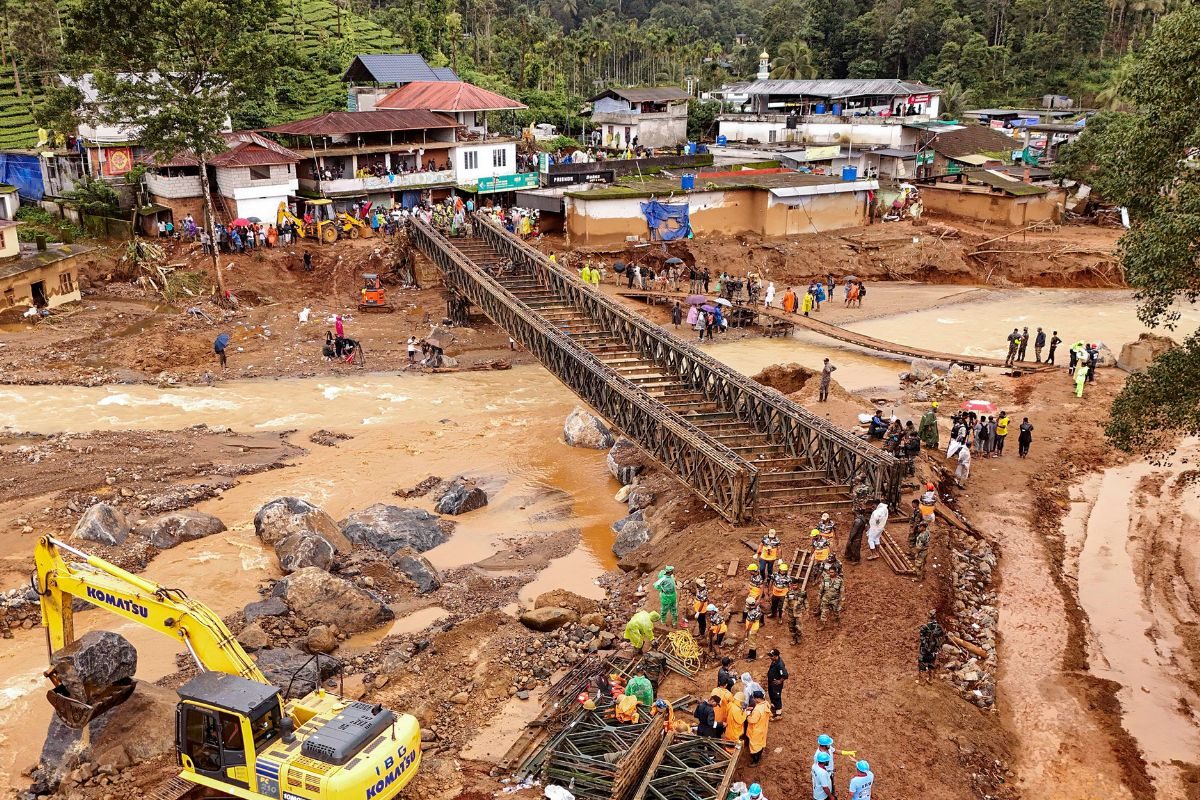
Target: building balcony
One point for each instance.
(411, 180)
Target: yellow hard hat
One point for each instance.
(752, 567)
(783, 566)
(814, 532)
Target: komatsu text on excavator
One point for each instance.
(235, 734)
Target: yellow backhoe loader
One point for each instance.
(323, 230)
(236, 735)
(352, 227)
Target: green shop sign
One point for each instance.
(507, 183)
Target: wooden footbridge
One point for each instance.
(746, 450)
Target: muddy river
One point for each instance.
(501, 428)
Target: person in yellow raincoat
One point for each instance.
(735, 718)
(627, 709)
(757, 722)
(721, 712)
(640, 628)
(807, 303)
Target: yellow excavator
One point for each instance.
(236, 735)
(323, 230)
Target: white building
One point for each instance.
(651, 116)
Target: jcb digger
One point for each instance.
(235, 735)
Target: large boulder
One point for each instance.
(285, 516)
(417, 569)
(1136, 356)
(587, 430)
(566, 599)
(460, 497)
(625, 461)
(632, 536)
(270, 607)
(94, 662)
(254, 637)
(318, 597)
(287, 666)
(321, 639)
(547, 618)
(103, 524)
(168, 530)
(390, 528)
(639, 497)
(636, 516)
(300, 550)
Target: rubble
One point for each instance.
(625, 461)
(302, 549)
(316, 596)
(587, 430)
(285, 516)
(328, 438)
(973, 562)
(87, 667)
(632, 536)
(417, 569)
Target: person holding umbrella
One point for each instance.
(219, 345)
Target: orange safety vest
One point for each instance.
(778, 590)
(768, 553)
(754, 592)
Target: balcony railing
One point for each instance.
(630, 117)
(411, 180)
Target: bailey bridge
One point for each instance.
(746, 450)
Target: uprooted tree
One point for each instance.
(175, 71)
(1146, 160)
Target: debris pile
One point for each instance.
(970, 662)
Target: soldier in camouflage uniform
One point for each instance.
(830, 603)
(921, 548)
(797, 601)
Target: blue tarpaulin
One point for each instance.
(23, 172)
(667, 222)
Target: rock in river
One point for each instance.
(390, 528)
(316, 596)
(587, 430)
(417, 569)
(168, 530)
(300, 550)
(460, 497)
(102, 523)
(284, 516)
(625, 461)
(547, 618)
(632, 536)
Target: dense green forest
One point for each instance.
(552, 55)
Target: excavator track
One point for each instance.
(174, 789)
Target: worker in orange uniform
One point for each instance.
(780, 583)
(754, 590)
(754, 618)
(717, 628)
(627, 709)
(757, 722)
(735, 719)
(768, 554)
(820, 546)
(663, 710)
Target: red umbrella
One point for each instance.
(240, 222)
(980, 406)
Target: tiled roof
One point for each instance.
(970, 140)
(245, 149)
(841, 87)
(395, 68)
(644, 94)
(447, 96)
(336, 123)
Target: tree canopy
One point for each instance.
(1146, 160)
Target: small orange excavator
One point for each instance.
(373, 297)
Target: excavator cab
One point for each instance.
(222, 723)
(373, 297)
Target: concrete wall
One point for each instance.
(730, 212)
(182, 206)
(180, 186)
(17, 290)
(486, 167)
(773, 128)
(9, 203)
(998, 208)
(10, 245)
(230, 178)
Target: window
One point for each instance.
(470, 159)
(499, 157)
(65, 284)
(772, 135)
(260, 173)
(480, 119)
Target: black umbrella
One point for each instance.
(221, 342)
(673, 261)
(619, 267)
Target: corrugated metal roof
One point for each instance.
(394, 68)
(974, 160)
(841, 87)
(1004, 183)
(971, 140)
(336, 123)
(644, 94)
(447, 96)
(245, 149)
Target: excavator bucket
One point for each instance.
(77, 714)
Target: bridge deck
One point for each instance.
(744, 449)
(859, 339)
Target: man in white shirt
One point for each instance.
(822, 780)
(861, 783)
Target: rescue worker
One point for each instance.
(928, 428)
(726, 677)
(928, 504)
(639, 686)
(754, 591)
(721, 709)
(875, 529)
(654, 666)
(929, 644)
(663, 710)
(700, 603)
(780, 582)
(921, 548)
(753, 792)
(796, 602)
(776, 675)
(667, 596)
(626, 710)
(825, 747)
(826, 526)
(735, 719)
(822, 777)
(768, 553)
(754, 618)
(758, 721)
(861, 783)
(854, 540)
(717, 628)
(820, 546)
(639, 631)
(1081, 373)
(830, 602)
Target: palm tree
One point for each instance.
(953, 100)
(794, 61)
(1112, 96)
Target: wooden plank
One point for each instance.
(732, 569)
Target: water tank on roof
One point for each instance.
(722, 141)
(687, 181)
(837, 109)
(819, 108)
(849, 173)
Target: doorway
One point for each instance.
(38, 292)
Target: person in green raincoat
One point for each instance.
(639, 687)
(668, 602)
(928, 429)
(640, 628)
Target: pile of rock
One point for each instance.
(973, 671)
(19, 608)
(302, 534)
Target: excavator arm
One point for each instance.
(168, 611)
